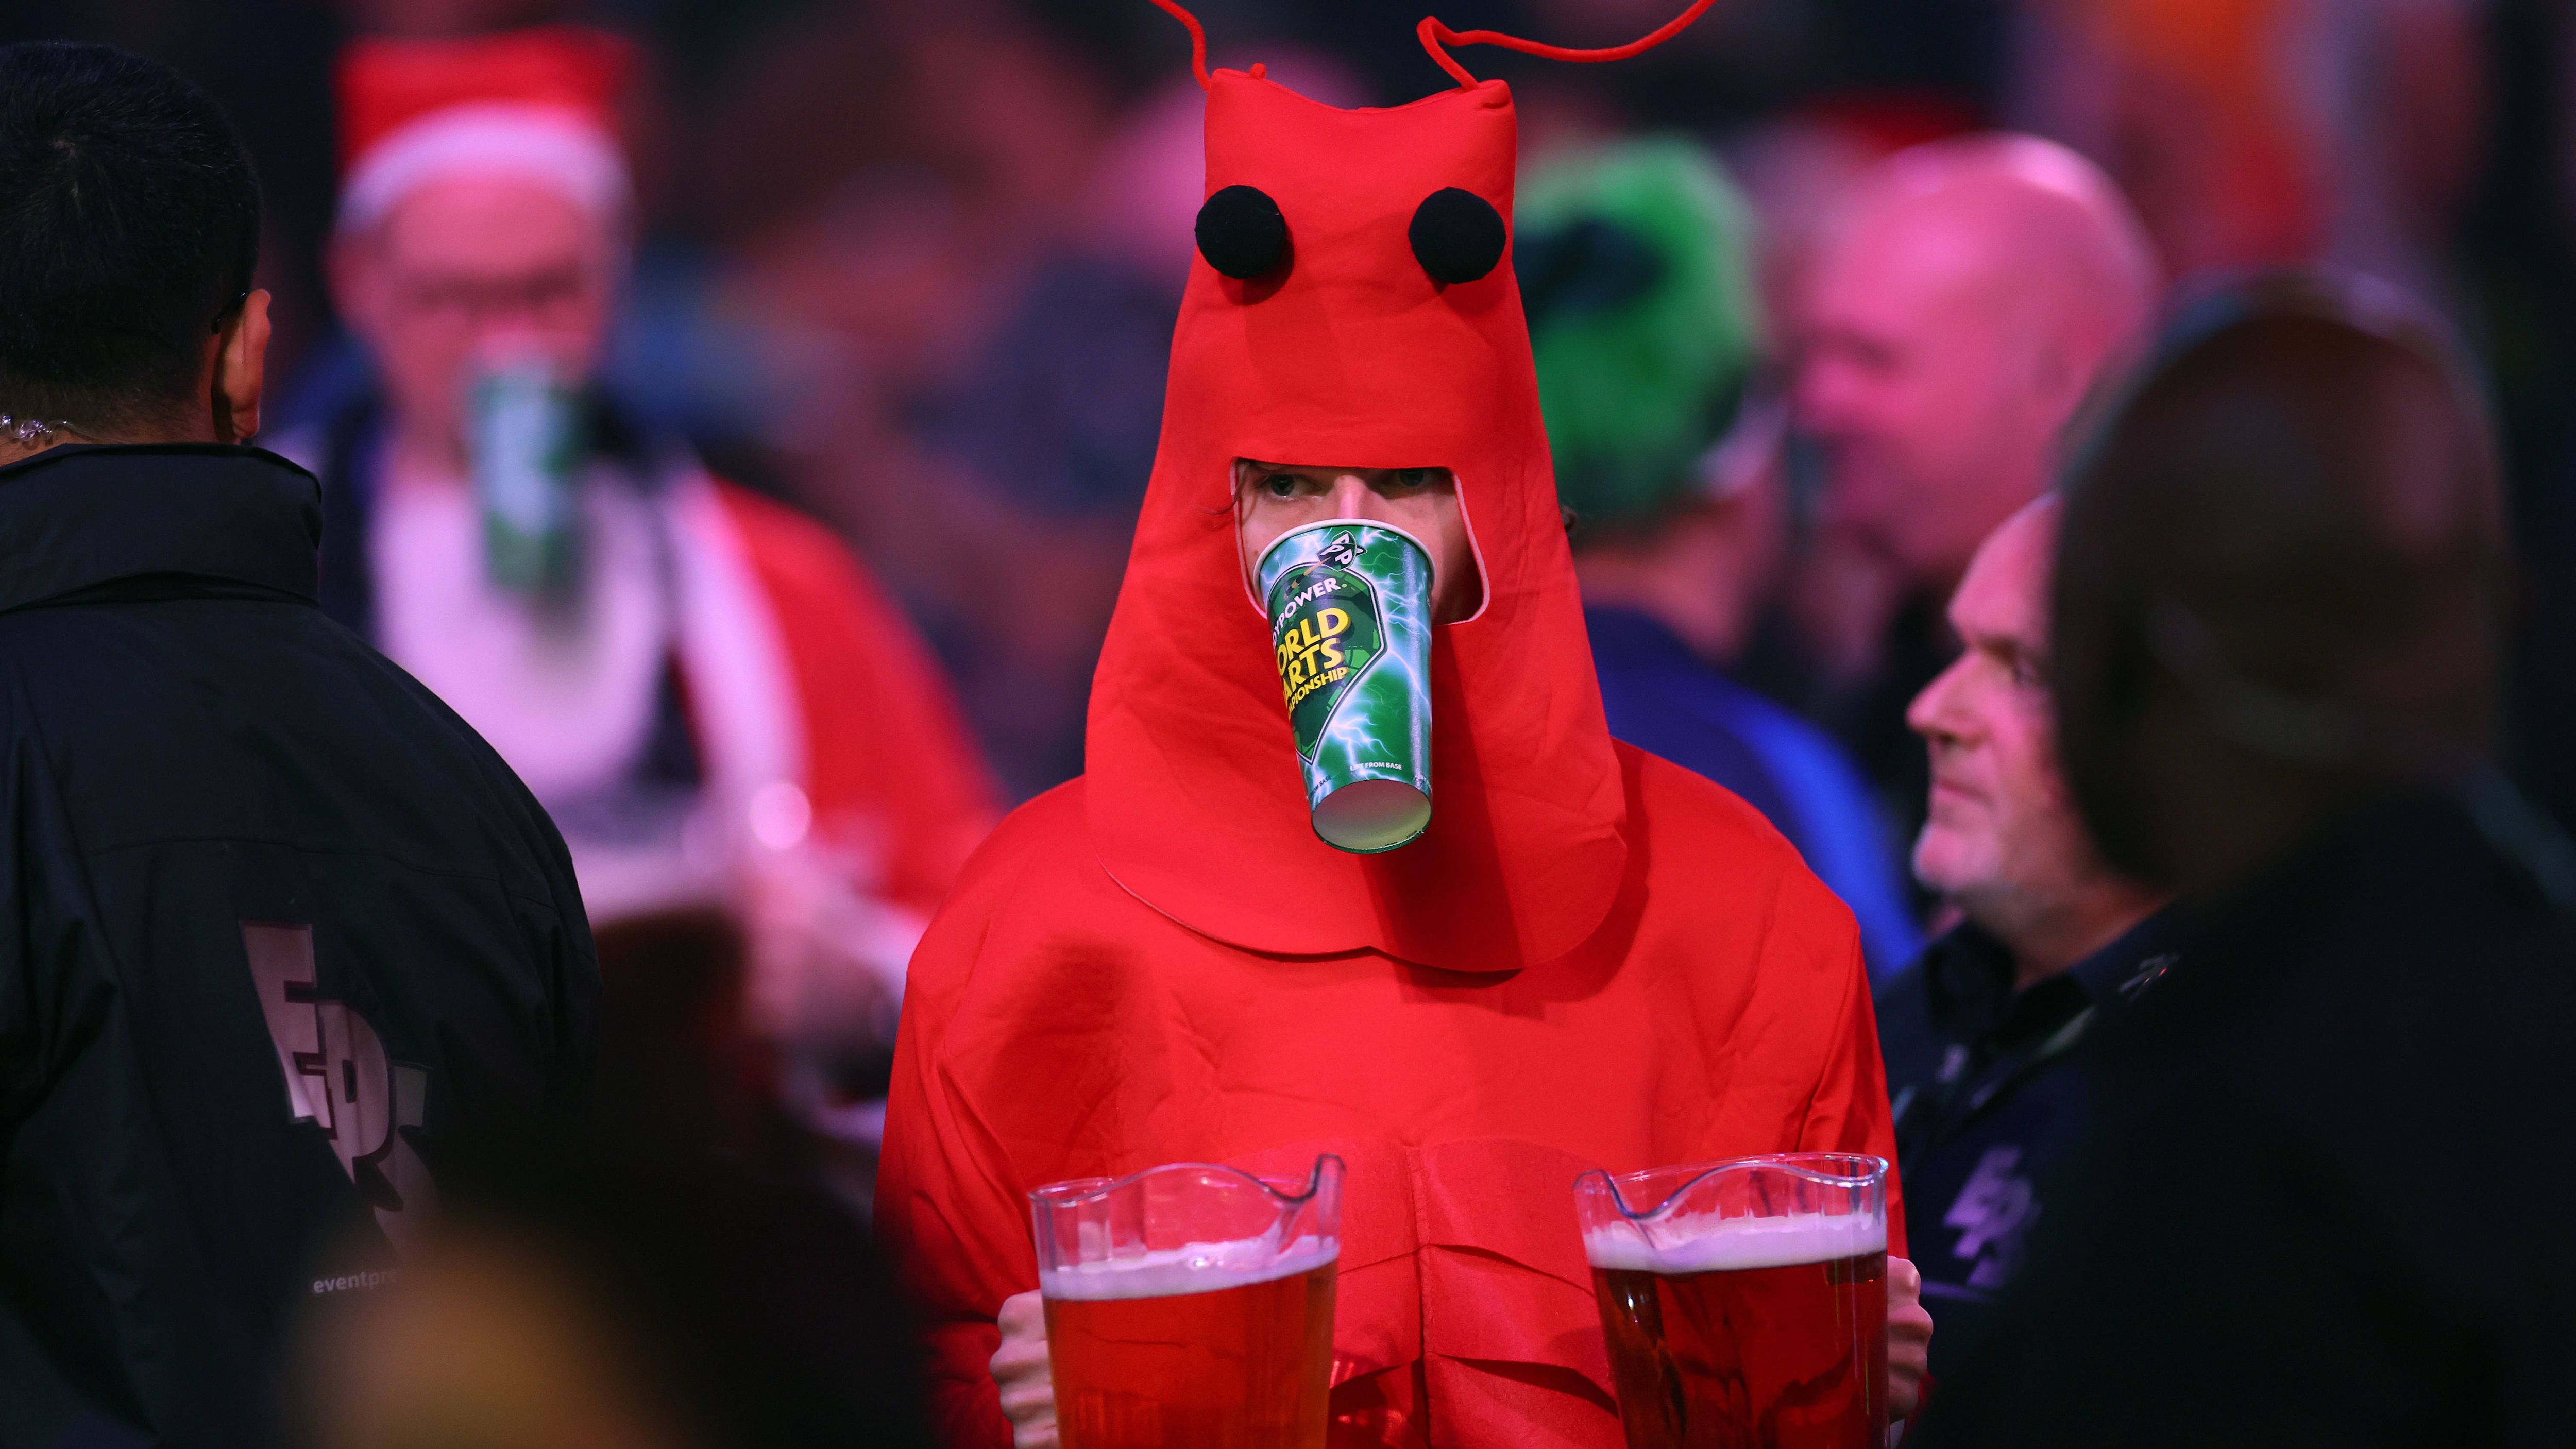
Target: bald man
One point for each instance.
(2323, 1195)
(1965, 300)
(1980, 1035)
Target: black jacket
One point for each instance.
(2330, 1161)
(280, 935)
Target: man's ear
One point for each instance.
(241, 370)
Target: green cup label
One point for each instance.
(524, 431)
(1350, 612)
(1326, 634)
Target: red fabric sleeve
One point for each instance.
(888, 750)
(951, 1219)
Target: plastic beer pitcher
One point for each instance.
(1190, 1305)
(1744, 1302)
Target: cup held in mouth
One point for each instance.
(1349, 602)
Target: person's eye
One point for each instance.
(1415, 477)
(1280, 485)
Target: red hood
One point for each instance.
(1353, 355)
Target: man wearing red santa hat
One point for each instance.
(1591, 958)
(690, 677)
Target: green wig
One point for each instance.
(1636, 267)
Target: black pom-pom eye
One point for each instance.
(1241, 232)
(1456, 235)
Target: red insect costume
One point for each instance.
(1592, 958)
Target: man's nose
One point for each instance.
(1931, 715)
(1352, 497)
(1817, 396)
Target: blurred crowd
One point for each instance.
(912, 267)
(1816, 293)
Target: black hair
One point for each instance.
(2291, 518)
(129, 230)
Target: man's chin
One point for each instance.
(1948, 864)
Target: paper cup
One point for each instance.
(1350, 627)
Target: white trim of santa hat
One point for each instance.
(535, 105)
(555, 146)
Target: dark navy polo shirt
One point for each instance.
(1984, 1101)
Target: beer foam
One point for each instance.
(1190, 1268)
(1711, 1244)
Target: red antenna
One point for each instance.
(1198, 38)
(1435, 36)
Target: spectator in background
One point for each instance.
(1967, 299)
(2271, 131)
(281, 939)
(917, 203)
(2321, 1200)
(1637, 276)
(1977, 1035)
(696, 682)
(1075, 362)
(1023, 266)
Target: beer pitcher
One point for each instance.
(1191, 1305)
(1745, 1302)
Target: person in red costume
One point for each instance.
(1592, 958)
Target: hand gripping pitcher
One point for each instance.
(1190, 1306)
(1745, 1302)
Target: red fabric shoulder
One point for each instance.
(890, 758)
(1716, 817)
(1698, 830)
(956, 1230)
